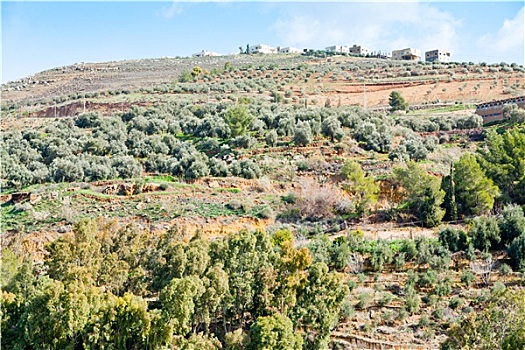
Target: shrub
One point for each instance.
(271, 138)
(485, 233)
(365, 299)
(455, 303)
(245, 168)
(444, 286)
(243, 141)
(412, 302)
(517, 252)
(467, 277)
(427, 279)
(385, 299)
(266, 212)
(330, 127)
(315, 201)
(453, 239)
(512, 224)
(218, 167)
(303, 134)
(382, 254)
(67, 169)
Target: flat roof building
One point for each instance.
(338, 49)
(407, 54)
(289, 50)
(206, 53)
(491, 111)
(437, 56)
(262, 48)
(359, 50)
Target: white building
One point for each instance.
(437, 56)
(408, 54)
(359, 50)
(289, 50)
(205, 53)
(261, 48)
(338, 49)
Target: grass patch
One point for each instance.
(230, 190)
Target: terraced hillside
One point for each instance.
(236, 201)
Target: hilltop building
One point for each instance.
(338, 49)
(407, 54)
(359, 50)
(288, 50)
(491, 111)
(437, 56)
(261, 48)
(206, 53)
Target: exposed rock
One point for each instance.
(213, 184)
(150, 187)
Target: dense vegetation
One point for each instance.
(108, 284)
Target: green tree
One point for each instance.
(474, 192)
(503, 160)
(271, 138)
(274, 332)
(178, 302)
(485, 233)
(512, 224)
(362, 188)
(517, 252)
(448, 184)
(397, 102)
(302, 134)
(453, 239)
(381, 255)
(196, 71)
(238, 119)
(319, 303)
(121, 323)
(331, 127)
(185, 77)
(500, 324)
(423, 195)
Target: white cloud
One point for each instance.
(379, 26)
(509, 37)
(304, 30)
(168, 12)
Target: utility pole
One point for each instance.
(364, 95)
(84, 101)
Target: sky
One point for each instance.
(42, 35)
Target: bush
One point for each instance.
(303, 134)
(381, 255)
(271, 138)
(218, 167)
(67, 169)
(245, 168)
(127, 167)
(453, 239)
(428, 279)
(455, 303)
(517, 252)
(330, 127)
(485, 233)
(467, 277)
(266, 212)
(88, 120)
(512, 224)
(243, 141)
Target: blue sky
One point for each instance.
(42, 35)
